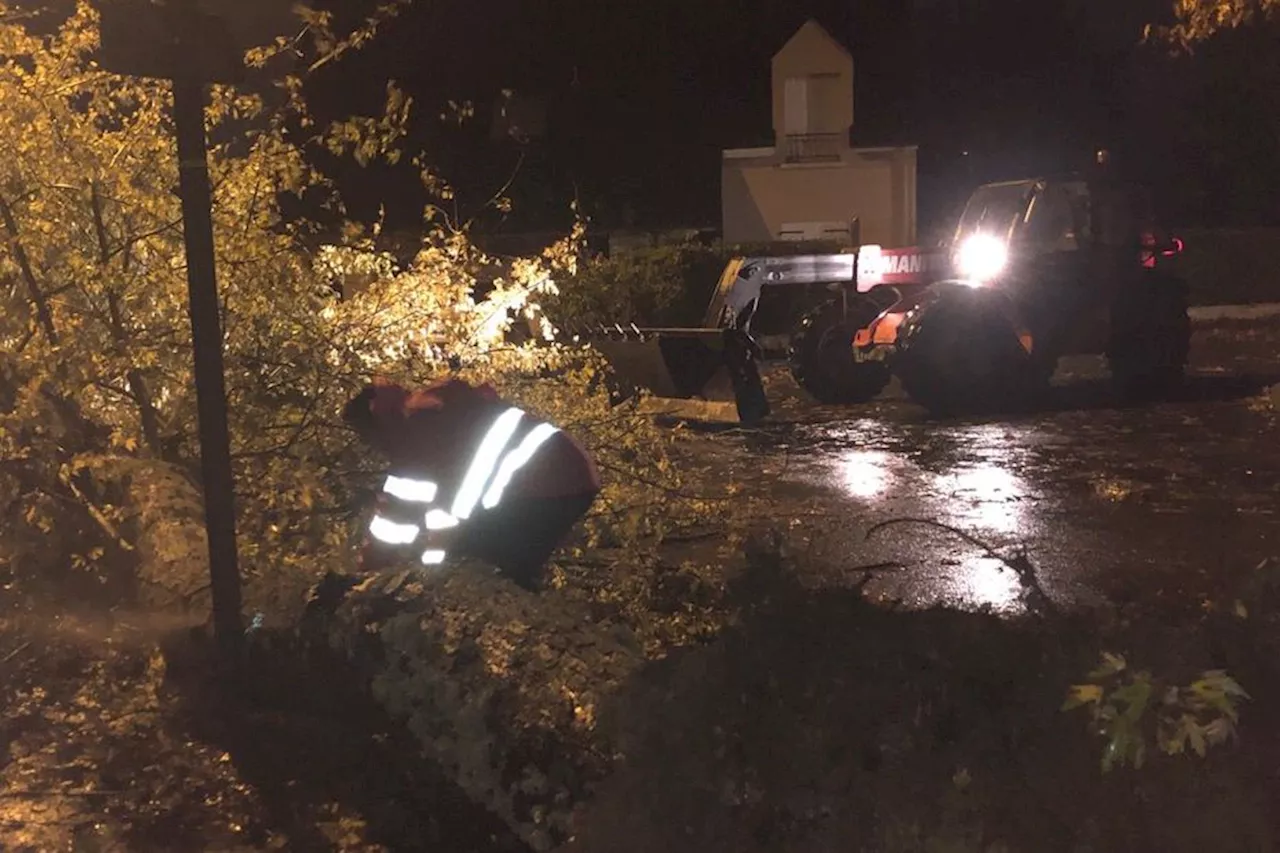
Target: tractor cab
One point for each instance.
(1062, 226)
(1046, 267)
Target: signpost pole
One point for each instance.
(206, 333)
(191, 43)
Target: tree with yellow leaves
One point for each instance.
(97, 400)
(1197, 20)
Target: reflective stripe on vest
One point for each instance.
(488, 459)
(514, 461)
(393, 533)
(438, 519)
(483, 463)
(411, 490)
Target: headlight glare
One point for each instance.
(981, 258)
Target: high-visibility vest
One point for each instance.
(424, 505)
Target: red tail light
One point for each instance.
(1148, 254)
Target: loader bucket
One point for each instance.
(693, 374)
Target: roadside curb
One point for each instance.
(1217, 313)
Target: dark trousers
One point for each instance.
(519, 535)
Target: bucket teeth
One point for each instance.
(711, 370)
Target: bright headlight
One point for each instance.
(981, 257)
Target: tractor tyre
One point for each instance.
(821, 353)
(1150, 338)
(960, 355)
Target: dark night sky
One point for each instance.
(644, 96)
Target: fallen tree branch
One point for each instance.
(1019, 563)
(656, 485)
(877, 567)
(54, 792)
(96, 513)
(968, 537)
(685, 538)
(13, 654)
(34, 293)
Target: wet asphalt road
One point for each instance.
(1159, 505)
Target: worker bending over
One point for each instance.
(470, 476)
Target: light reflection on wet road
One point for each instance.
(1161, 504)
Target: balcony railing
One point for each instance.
(815, 147)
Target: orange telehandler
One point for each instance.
(1035, 269)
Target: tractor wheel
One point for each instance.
(1151, 338)
(961, 355)
(822, 359)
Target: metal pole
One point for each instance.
(206, 334)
